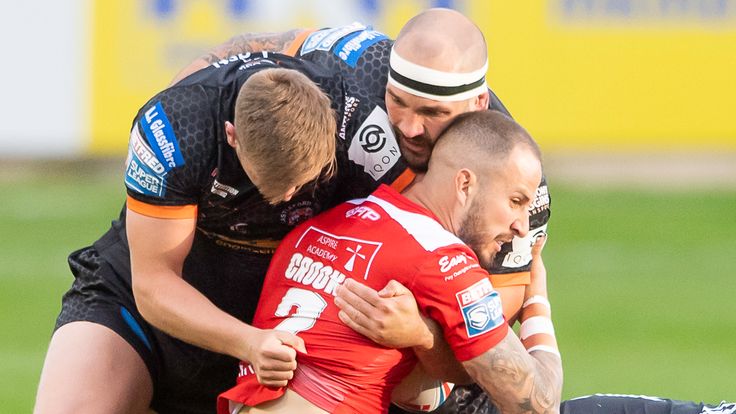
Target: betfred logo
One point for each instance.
(481, 308)
(472, 294)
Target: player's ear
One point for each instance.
(480, 102)
(232, 137)
(465, 181)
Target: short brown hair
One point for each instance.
(286, 130)
(481, 139)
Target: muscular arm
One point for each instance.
(158, 248)
(243, 43)
(391, 318)
(439, 360)
(516, 380)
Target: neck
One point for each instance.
(432, 196)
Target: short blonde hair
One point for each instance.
(286, 130)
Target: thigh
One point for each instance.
(638, 404)
(190, 378)
(91, 369)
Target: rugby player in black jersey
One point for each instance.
(104, 354)
(465, 399)
(203, 217)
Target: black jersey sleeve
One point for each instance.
(496, 104)
(172, 143)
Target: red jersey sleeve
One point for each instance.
(456, 292)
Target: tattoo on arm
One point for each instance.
(516, 381)
(252, 42)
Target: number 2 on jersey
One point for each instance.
(309, 305)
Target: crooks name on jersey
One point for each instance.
(316, 246)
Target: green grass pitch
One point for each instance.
(642, 283)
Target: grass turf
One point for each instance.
(642, 283)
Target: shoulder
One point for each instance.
(347, 45)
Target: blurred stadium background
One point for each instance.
(631, 100)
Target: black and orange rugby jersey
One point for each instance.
(364, 53)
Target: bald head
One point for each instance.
(442, 39)
(480, 141)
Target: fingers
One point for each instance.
(293, 341)
(356, 299)
(393, 288)
(538, 245)
(351, 322)
(274, 371)
(276, 363)
(355, 291)
(273, 377)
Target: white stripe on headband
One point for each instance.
(435, 84)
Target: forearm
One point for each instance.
(517, 381)
(243, 43)
(172, 305)
(438, 360)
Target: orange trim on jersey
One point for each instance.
(403, 181)
(511, 279)
(297, 43)
(167, 212)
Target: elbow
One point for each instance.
(144, 295)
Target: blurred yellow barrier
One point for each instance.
(603, 75)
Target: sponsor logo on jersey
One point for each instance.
(143, 151)
(481, 308)
(257, 62)
(374, 145)
(141, 178)
(352, 47)
(240, 57)
(447, 263)
(451, 264)
(521, 248)
(363, 212)
(310, 272)
(160, 136)
(297, 213)
(351, 105)
(324, 39)
(541, 200)
(223, 190)
(354, 255)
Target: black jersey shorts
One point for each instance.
(186, 379)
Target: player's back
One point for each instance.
(383, 237)
(341, 366)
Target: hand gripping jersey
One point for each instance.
(179, 165)
(372, 240)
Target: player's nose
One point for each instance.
(411, 125)
(520, 225)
